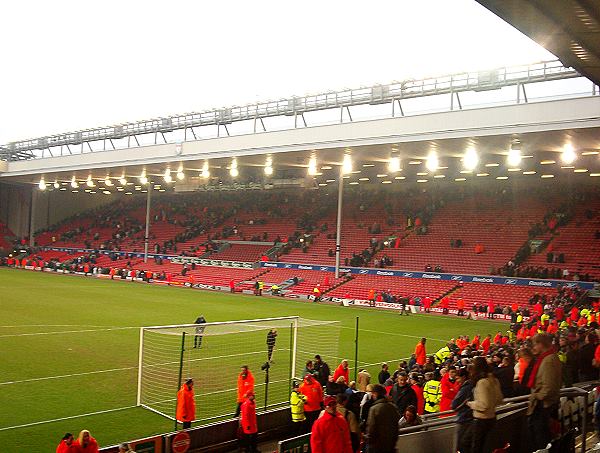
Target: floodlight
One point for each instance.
(89, 182)
(180, 175)
(107, 181)
(56, 184)
(347, 164)
(123, 180)
(470, 159)
(233, 170)
(205, 171)
(432, 161)
(514, 156)
(42, 184)
(394, 164)
(312, 166)
(568, 155)
(74, 184)
(167, 176)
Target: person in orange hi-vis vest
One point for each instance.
(186, 404)
(420, 352)
(245, 384)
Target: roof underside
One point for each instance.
(570, 29)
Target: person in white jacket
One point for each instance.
(486, 397)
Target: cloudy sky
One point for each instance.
(68, 65)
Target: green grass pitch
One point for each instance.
(69, 347)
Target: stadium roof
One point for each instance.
(541, 157)
(570, 29)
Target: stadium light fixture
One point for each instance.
(269, 166)
(123, 181)
(167, 176)
(470, 159)
(568, 155)
(514, 155)
(42, 184)
(56, 184)
(143, 177)
(205, 171)
(74, 183)
(433, 162)
(108, 181)
(394, 164)
(312, 166)
(233, 169)
(180, 175)
(89, 182)
(347, 164)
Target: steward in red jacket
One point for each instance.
(330, 433)
(449, 386)
(248, 423)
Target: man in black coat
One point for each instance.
(403, 394)
(322, 370)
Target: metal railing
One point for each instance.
(297, 106)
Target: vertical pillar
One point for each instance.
(32, 217)
(147, 234)
(338, 234)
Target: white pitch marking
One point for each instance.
(47, 378)
(64, 331)
(25, 425)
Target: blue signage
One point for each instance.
(497, 280)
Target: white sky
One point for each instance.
(68, 65)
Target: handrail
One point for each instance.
(296, 106)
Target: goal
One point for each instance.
(212, 354)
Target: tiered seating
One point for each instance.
(242, 252)
(577, 241)
(355, 235)
(481, 293)
(217, 276)
(359, 286)
(500, 226)
(4, 234)
(310, 279)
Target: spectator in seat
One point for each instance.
(65, 444)
(402, 393)
(343, 402)
(342, 370)
(545, 382)
(321, 370)
(486, 397)
(85, 443)
(464, 414)
(382, 423)
(384, 374)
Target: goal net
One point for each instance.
(213, 353)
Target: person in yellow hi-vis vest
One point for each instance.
(441, 356)
(432, 393)
(297, 401)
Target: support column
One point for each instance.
(338, 233)
(32, 217)
(147, 234)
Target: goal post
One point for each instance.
(213, 353)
